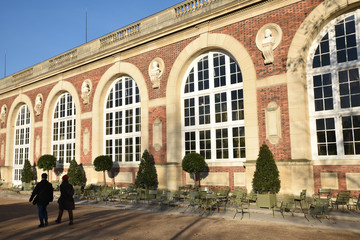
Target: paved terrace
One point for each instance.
(114, 220)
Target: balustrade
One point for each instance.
(121, 34)
(66, 57)
(192, 6)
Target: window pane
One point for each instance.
(322, 54)
(323, 94)
(349, 87)
(351, 131)
(326, 136)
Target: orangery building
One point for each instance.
(216, 77)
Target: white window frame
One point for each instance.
(65, 142)
(212, 91)
(124, 136)
(21, 144)
(337, 112)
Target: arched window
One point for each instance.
(122, 121)
(334, 89)
(64, 122)
(213, 108)
(22, 142)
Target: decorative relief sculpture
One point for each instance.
(2, 149)
(86, 141)
(157, 134)
(267, 39)
(38, 104)
(156, 69)
(3, 113)
(86, 90)
(273, 123)
(37, 146)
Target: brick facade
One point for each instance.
(277, 94)
(244, 31)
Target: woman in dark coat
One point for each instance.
(66, 200)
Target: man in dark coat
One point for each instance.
(43, 194)
(66, 200)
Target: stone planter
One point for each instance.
(266, 200)
(27, 186)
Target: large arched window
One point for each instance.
(213, 108)
(63, 131)
(122, 121)
(22, 142)
(334, 89)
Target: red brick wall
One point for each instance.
(8, 102)
(95, 76)
(168, 54)
(278, 94)
(121, 169)
(341, 171)
(230, 170)
(45, 90)
(154, 113)
(288, 18)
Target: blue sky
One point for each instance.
(32, 31)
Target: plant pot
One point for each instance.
(266, 200)
(26, 186)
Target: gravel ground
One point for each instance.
(18, 220)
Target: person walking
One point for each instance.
(66, 200)
(42, 196)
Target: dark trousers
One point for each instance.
(42, 213)
(71, 217)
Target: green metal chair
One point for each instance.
(287, 205)
(343, 199)
(301, 199)
(319, 208)
(243, 206)
(355, 203)
(208, 201)
(323, 193)
(252, 197)
(193, 201)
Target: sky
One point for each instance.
(32, 31)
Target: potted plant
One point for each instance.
(146, 177)
(266, 182)
(103, 163)
(27, 176)
(194, 163)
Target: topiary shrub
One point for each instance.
(27, 174)
(266, 176)
(194, 163)
(103, 163)
(76, 175)
(47, 162)
(146, 176)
